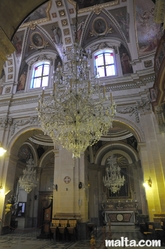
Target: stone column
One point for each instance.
(68, 198)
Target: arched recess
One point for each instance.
(20, 137)
(116, 148)
(130, 126)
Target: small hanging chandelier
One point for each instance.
(78, 112)
(28, 181)
(113, 179)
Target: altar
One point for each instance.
(120, 217)
(120, 213)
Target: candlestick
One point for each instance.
(111, 97)
(54, 88)
(104, 91)
(88, 86)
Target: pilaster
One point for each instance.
(152, 166)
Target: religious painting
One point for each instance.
(40, 15)
(124, 190)
(17, 42)
(88, 5)
(125, 60)
(99, 26)
(22, 79)
(117, 166)
(58, 62)
(122, 17)
(37, 39)
(148, 32)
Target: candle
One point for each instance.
(111, 97)
(88, 86)
(42, 95)
(71, 83)
(104, 91)
(39, 105)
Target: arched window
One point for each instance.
(40, 75)
(105, 63)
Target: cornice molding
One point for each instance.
(142, 106)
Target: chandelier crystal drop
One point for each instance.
(78, 112)
(28, 181)
(113, 179)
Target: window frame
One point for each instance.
(104, 65)
(41, 76)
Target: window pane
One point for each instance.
(109, 59)
(45, 81)
(37, 82)
(99, 60)
(38, 71)
(100, 71)
(110, 70)
(46, 69)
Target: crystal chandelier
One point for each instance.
(28, 180)
(78, 112)
(113, 179)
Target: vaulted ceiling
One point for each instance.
(13, 12)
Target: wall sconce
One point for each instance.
(148, 183)
(80, 185)
(55, 186)
(2, 150)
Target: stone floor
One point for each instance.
(27, 239)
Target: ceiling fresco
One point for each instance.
(53, 24)
(148, 32)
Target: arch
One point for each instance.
(116, 147)
(34, 152)
(20, 137)
(132, 127)
(44, 156)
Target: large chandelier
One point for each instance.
(28, 181)
(78, 112)
(113, 179)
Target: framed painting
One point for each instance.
(99, 26)
(124, 191)
(37, 40)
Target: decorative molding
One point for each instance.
(140, 107)
(26, 100)
(95, 8)
(23, 122)
(41, 57)
(160, 116)
(102, 45)
(148, 63)
(5, 121)
(117, 86)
